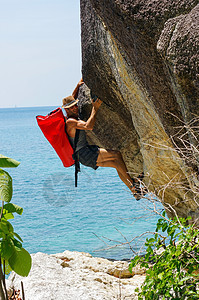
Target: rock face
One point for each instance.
(141, 58)
(77, 275)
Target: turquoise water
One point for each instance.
(57, 216)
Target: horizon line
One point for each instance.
(12, 107)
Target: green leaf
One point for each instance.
(130, 267)
(20, 262)
(164, 227)
(18, 236)
(2, 234)
(7, 249)
(184, 279)
(5, 186)
(7, 268)
(10, 227)
(151, 240)
(189, 249)
(8, 216)
(12, 208)
(6, 226)
(160, 276)
(17, 243)
(6, 162)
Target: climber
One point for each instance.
(92, 155)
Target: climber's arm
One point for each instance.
(85, 125)
(76, 90)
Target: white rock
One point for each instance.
(76, 276)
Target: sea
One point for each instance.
(99, 216)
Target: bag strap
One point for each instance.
(77, 164)
(75, 156)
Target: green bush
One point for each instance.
(173, 271)
(12, 255)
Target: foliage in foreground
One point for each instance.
(12, 255)
(173, 273)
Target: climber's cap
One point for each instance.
(69, 101)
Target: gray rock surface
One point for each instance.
(179, 46)
(141, 59)
(77, 275)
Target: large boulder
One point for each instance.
(141, 58)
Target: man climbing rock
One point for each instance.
(92, 155)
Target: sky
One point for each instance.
(40, 51)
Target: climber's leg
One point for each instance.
(113, 159)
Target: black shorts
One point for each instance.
(88, 156)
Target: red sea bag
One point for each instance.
(54, 129)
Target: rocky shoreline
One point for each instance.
(77, 275)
